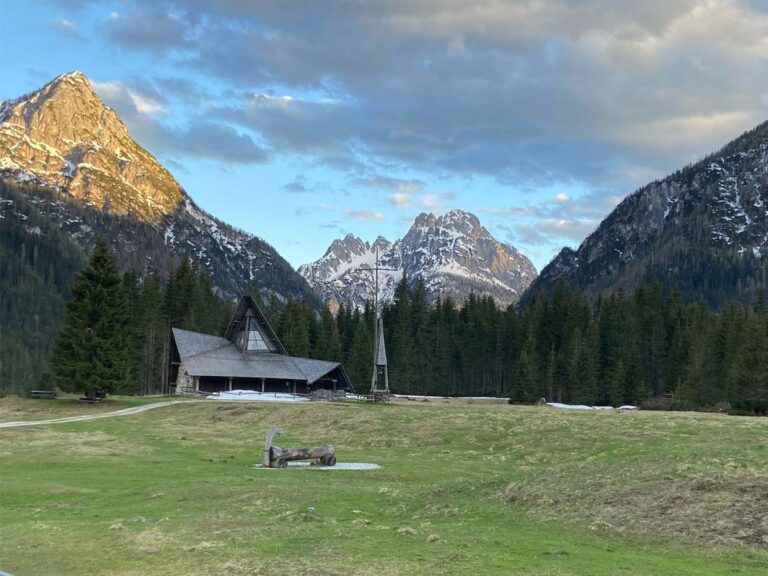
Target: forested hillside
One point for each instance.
(640, 348)
(40, 255)
(702, 231)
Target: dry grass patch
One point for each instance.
(72, 444)
(16, 409)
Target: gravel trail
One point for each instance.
(124, 412)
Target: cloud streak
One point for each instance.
(199, 138)
(365, 215)
(554, 90)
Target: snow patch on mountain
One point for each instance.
(452, 254)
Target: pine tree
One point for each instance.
(135, 337)
(91, 351)
(749, 392)
(523, 381)
(293, 329)
(402, 339)
(360, 362)
(616, 383)
(153, 329)
(179, 295)
(328, 345)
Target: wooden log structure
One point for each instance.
(321, 456)
(276, 457)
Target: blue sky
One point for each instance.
(303, 121)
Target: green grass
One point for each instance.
(15, 409)
(463, 489)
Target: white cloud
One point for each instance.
(575, 229)
(409, 187)
(115, 91)
(562, 197)
(365, 215)
(431, 202)
(200, 137)
(65, 24)
(400, 200)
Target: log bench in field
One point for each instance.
(46, 394)
(276, 457)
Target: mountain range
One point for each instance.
(69, 164)
(453, 255)
(702, 231)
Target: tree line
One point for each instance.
(643, 348)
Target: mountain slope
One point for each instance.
(63, 138)
(703, 230)
(453, 254)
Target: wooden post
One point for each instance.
(294, 387)
(268, 445)
(196, 380)
(229, 384)
(262, 385)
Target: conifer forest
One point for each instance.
(646, 348)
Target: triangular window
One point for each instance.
(255, 340)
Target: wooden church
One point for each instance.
(248, 357)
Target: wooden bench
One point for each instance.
(46, 394)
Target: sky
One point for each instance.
(301, 122)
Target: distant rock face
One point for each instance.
(453, 254)
(64, 136)
(72, 151)
(703, 230)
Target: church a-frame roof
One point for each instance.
(191, 343)
(205, 355)
(248, 307)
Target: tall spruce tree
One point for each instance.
(360, 365)
(91, 351)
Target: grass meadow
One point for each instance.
(464, 488)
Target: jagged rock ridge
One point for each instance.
(63, 138)
(702, 230)
(453, 254)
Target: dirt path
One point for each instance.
(124, 412)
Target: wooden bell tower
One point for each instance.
(380, 379)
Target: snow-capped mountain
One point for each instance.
(702, 230)
(77, 165)
(65, 137)
(453, 254)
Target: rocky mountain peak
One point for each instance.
(350, 245)
(453, 254)
(459, 219)
(63, 136)
(702, 231)
(41, 113)
(86, 176)
(381, 243)
(425, 219)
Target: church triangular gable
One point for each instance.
(250, 331)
